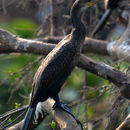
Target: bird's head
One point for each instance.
(80, 5)
(78, 9)
(84, 4)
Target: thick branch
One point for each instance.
(107, 72)
(64, 120)
(11, 43)
(89, 45)
(16, 44)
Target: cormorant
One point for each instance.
(58, 65)
(111, 5)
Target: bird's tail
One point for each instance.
(28, 118)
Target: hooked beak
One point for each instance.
(102, 22)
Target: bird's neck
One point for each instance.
(79, 31)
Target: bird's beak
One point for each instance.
(87, 4)
(102, 22)
(90, 4)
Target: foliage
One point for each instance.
(53, 124)
(21, 27)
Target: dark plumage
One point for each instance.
(58, 65)
(110, 5)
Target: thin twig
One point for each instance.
(13, 112)
(13, 121)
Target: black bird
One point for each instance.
(58, 65)
(111, 5)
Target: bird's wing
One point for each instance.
(57, 65)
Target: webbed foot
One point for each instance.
(67, 109)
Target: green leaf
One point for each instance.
(23, 28)
(9, 120)
(53, 124)
(93, 80)
(17, 105)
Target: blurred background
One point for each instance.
(95, 101)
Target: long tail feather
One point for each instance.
(28, 118)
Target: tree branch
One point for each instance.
(89, 45)
(64, 120)
(16, 44)
(107, 72)
(11, 43)
(125, 125)
(13, 112)
(100, 69)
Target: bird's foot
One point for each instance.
(62, 106)
(67, 109)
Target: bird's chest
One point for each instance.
(55, 69)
